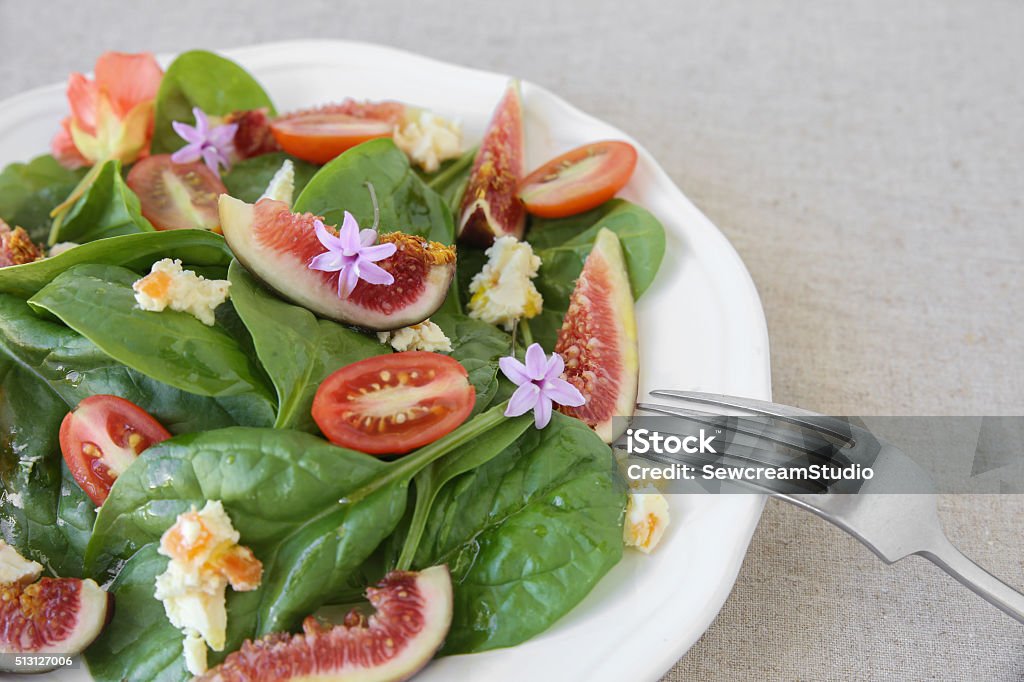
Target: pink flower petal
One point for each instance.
(562, 392)
(128, 79)
(542, 412)
(375, 274)
(83, 96)
(523, 400)
(63, 147)
(536, 361)
(514, 370)
(378, 252)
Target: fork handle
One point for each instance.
(950, 559)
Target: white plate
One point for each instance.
(701, 328)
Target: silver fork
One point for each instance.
(891, 525)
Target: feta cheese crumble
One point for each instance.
(428, 139)
(167, 285)
(282, 185)
(205, 558)
(646, 519)
(423, 336)
(15, 568)
(503, 291)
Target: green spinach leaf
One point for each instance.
(202, 79)
(313, 514)
(406, 204)
(434, 477)
(526, 535)
(297, 350)
(29, 191)
(477, 346)
(139, 643)
(173, 347)
(563, 245)
(136, 251)
(74, 369)
(107, 209)
(44, 515)
(248, 179)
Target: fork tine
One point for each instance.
(836, 428)
(808, 442)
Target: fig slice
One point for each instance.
(277, 245)
(490, 207)
(51, 616)
(413, 614)
(598, 338)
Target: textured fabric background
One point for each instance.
(865, 159)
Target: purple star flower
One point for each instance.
(540, 383)
(352, 255)
(214, 146)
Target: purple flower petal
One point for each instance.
(328, 261)
(562, 392)
(202, 123)
(514, 370)
(378, 252)
(523, 400)
(556, 365)
(375, 274)
(211, 157)
(542, 412)
(187, 154)
(348, 278)
(368, 237)
(536, 361)
(348, 235)
(223, 136)
(187, 133)
(326, 238)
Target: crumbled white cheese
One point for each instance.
(204, 558)
(503, 291)
(282, 185)
(195, 653)
(423, 336)
(428, 139)
(15, 568)
(61, 247)
(646, 519)
(167, 285)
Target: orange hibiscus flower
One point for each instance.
(112, 115)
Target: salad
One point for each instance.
(258, 368)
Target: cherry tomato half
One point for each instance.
(101, 437)
(176, 196)
(391, 404)
(319, 136)
(579, 180)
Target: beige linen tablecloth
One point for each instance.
(866, 161)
